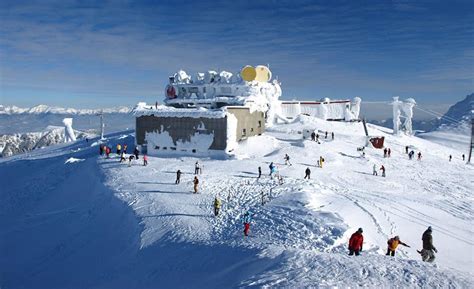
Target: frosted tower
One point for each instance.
(324, 108)
(68, 131)
(355, 107)
(396, 104)
(407, 108)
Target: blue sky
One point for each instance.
(89, 54)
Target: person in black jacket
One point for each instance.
(427, 253)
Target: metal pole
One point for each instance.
(472, 140)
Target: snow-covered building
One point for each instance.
(326, 109)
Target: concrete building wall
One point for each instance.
(248, 124)
(183, 128)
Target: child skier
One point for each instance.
(247, 219)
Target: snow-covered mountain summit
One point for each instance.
(45, 109)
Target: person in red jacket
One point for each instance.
(355, 243)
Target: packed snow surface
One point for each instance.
(104, 224)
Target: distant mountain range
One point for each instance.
(45, 109)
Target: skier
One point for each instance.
(374, 170)
(259, 172)
(107, 151)
(119, 148)
(195, 182)
(389, 152)
(427, 253)
(313, 136)
(271, 168)
(178, 176)
(355, 243)
(136, 152)
(382, 168)
(326, 136)
(197, 168)
(217, 206)
(130, 159)
(321, 161)
(307, 173)
(450, 157)
(287, 159)
(332, 135)
(385, 152)
(419, 156)
(247, 219)
(393, 244)
(145, 160)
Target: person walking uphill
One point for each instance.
(427, 253)
(247, 219)
(374, 170)
(382, 168)
(196, 183)
(178, 177)
(217, 206)
(287, 160)
(355, 243)
(145, 160)
(393, 244)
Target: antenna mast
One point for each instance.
(472, 139)
(102, 124)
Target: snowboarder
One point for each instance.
(287, 159)
(119, 149)
(382, 168)
(393, 244)
(332, 135)
(217, 206)
(385, 152)
(259, 172)
(307, 173)
(197, 168)
(313, 136)
(389, 152)
(326, 136)
(419, 156)
(427, 253)
(196, 183)
(450, 157)
(355, 242)
(136, 152)
(247, 219)
(374, 170)
(178, 176)
(145, 160)
(130, 159)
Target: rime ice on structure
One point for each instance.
(68, 131)
(403, 110)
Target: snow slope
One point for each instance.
(100, 223)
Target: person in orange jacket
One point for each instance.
(393, 244)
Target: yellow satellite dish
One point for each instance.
(263, 73)
(248, 73)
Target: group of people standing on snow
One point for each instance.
(427, 252)
(315, 136)
(121, 151)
